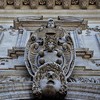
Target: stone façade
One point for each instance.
(15, 81)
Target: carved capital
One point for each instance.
(50, 4)
(84, 4)
(66, 4)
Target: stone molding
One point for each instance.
(66, 4)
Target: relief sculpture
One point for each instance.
(49, 58)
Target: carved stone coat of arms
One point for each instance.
(49, 58)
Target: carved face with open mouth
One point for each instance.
(51, 81)
(50, 85)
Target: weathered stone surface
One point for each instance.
(66, 4)
(98, 4)
(2, 4)
(37, 4)
(84, 4)
(84, 81)
(17, 4)
(50, 4)
(34, 4)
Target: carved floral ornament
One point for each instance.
(49, 58)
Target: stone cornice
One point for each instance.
(7, 16)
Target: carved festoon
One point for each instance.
(49, 58)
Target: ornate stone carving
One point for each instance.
(98, 3)
(50, 4)
(10, 2)
(42, 2)
(84, 4)
(2, 3)
(96, 29)
(66, 4)
(17, 4)
(84, 80)
(74, 2)
(92, 2)
(15, 79)
(58, 2)
(33, 4)
(26, 2)
(49, 58)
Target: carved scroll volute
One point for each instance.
(66, 4)
(50, 4)
(2, 3)
(34, 4)
(17, 4)
(98, 3)
(84, 4)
